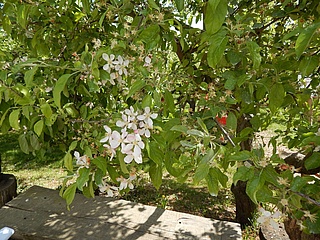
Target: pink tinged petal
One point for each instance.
(105, 56)
(141, 117)
(104, 139)
(138, 159)
(147, 133)
(127, 149)
(128, 158)
(106, 67)
(130, 138)
(116, 135)
(114, 143)
(136, 151)
(119, 123)
(141, 144)
(154, 115)
(147, 109)
(108, 130)
(149, 122)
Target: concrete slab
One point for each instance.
(40, 213)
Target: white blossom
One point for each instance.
(268, 219)
(110, 62)
(109, 132)
(82, 161)
(104, 187)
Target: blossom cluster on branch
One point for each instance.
(116, 67)
(133, 126)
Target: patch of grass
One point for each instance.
(29, 169)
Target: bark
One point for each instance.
(245, 207)
(294, 232)
(8, 188)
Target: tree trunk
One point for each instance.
(8, 188)
(244, 205)
(294, 232)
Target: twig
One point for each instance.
(308, 198)
(225, 133)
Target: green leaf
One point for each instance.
(217, 47)
(276, 97)
(83, 177)
(179, 4)
(298, 183)
(23, 143)
(46, 110)
(150, 35)
(196, 133)
(155, 153)
(88, 190)
(73, 145)
(270, 175)
(223, 179)
(253, 186)
(68, 161)
(112, 173)
(232, 79)
(308, 65)
(215, 14)
(169, 101)
(243, 173)
(240, 156)
(179, 128)
(38, 127)
(61, 83)
(232, 121)
(203, 168)
(147, 101)
(69, 194)
(155, 173)
(305, 37)
(123, 165)
(22, 14)
(314, 226)
(101, 163)
(213, 185)
(14, 119)
(202, 125)
(86, 6)
(313, 161)
(34, 142)
(136, 86)
(153, 4)
(254, 50)
(29, 75)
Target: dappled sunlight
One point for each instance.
(105, 218)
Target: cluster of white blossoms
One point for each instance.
(124, 183)
(116, 67)
(133, 126)
(268, 219)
